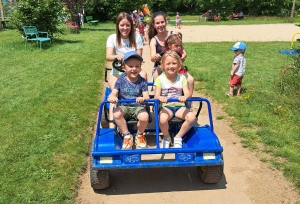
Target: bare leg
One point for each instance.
(189, 117)
(231, 90)
(120, 121)
(239, 90)
(143, 121)
(111, 83)
(164, 116)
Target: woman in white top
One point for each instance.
(124, 40)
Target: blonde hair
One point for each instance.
(172, 54)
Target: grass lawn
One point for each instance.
(50, 97)
(265, 119)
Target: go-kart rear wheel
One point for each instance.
(99, 178)
(210, 174)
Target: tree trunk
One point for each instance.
(293, 10)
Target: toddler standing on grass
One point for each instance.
(238, 68)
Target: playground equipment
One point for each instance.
(293, 50)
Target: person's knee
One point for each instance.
(118, 113)
(190, 117)
(143, 116)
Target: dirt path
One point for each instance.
(246, 179)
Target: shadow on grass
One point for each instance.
(99, 29)
(60, 41)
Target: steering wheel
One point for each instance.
(117, 65)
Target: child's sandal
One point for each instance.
(228, 95)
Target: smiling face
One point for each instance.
(176, 46)
(132, 67)
(159, 23)
(124, 28)
(171, 66)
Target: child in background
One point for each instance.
(238, 68)
(170, 84)
(131, 86)
(141, 28)
(178, 21)
(174, 42)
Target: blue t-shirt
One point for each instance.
(130, 90)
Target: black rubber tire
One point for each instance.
(99, 178)
(210, 174)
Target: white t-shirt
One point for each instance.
(171, 89)
(112, 42)
(241, 61)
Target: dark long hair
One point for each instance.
(152, 31)
(132, 42)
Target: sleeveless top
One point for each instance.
(159, 49)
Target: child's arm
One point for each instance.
(184, 55)
(112, 98)
(144, 97)
(186, 93)
(157, 92)
(234, 68)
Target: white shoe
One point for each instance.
(165, 142)
(177, 142)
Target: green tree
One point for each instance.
(40, 13)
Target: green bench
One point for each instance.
(173, 22)
(91, 21)
(31, 33)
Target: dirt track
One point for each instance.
(246, 179)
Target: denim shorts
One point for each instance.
(173, 109)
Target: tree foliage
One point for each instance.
(40, 13)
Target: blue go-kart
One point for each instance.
(200, 146)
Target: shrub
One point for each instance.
(40, 13)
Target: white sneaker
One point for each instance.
(165, 142)
(177, 142)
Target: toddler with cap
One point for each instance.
(238, 68)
